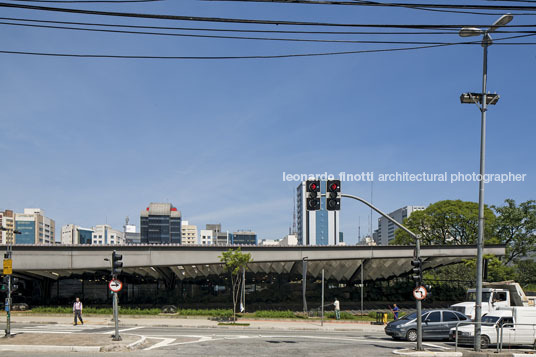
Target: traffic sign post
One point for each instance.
(8, 267)
(115, 285)
(420, 293)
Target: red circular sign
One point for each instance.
(115, 285)
(420, 293)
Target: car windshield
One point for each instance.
(489, 319)
(472, 296)
(412, 316)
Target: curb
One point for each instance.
(411, 352)
(46, 348)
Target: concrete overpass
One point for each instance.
(182, 262)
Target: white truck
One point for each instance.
(494, 296)
(518, 328)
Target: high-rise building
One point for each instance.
(131, 236)
(386, 229)
(323, 224)
(105, 234)
(218, 237)
(35, 228)
(7, 220)
(188, 233)
(73, 234)
(206, 237)
(160, 223)
(244, 237)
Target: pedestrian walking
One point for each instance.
(337, 305)
(395, 311)
(77, 310)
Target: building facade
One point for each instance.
(131, 235)
(105, 234)
(316, 227)
(73, 234)
(206, 237)
(244, 237)
(35, 228)
(160, 223)
(7, 220)
(386, 229)
(188, 233)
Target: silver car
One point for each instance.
(436, 324)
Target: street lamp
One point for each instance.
(482, 100)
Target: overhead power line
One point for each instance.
(86, 1)
(292, 55)
(236, 37)
(413, 32)
(233, 20)
(395, 4)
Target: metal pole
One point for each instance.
(478, 304)
(322, 315)
(417, 256)
(304, 284)
(8, 321)
(419, 303)
(116, 336)
(362, 286)
(244, 288)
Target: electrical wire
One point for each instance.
(415, 32)
(86, 1)
(233, 37)
(233, 20)
(293, 55)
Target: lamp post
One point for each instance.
(482, 100)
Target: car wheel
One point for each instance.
(411, 336)
(484, 342)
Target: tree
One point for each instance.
(516, 227)
(526, 272)
(234, 261)
(448, 222)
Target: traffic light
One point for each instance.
(333, 195)
(312, 195)
(417, 271)
(5, 284)
(117, 264)
(14, 284)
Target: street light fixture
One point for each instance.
(482, 100)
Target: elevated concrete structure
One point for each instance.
(162, 261)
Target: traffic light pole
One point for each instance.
(8, 300)
(417, 256)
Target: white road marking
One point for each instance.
(163, 343)
(122, 330)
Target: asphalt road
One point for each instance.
(174, 341)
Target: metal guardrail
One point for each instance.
(468, 323)
(500, 341)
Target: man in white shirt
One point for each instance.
(337, 309)
(77, 310)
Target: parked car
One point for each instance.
(436, 324)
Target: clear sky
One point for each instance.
(95, 140)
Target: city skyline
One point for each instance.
(93, 140)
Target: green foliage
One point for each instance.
(93, 310)
(235, 260)
(446, 223)
(526, 273)
(275, 314)
(516, 227)
(206, 312)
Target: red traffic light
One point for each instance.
(312, 186)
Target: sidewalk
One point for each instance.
(81, 342)
(176, 321)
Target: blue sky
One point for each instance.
(95, 140)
